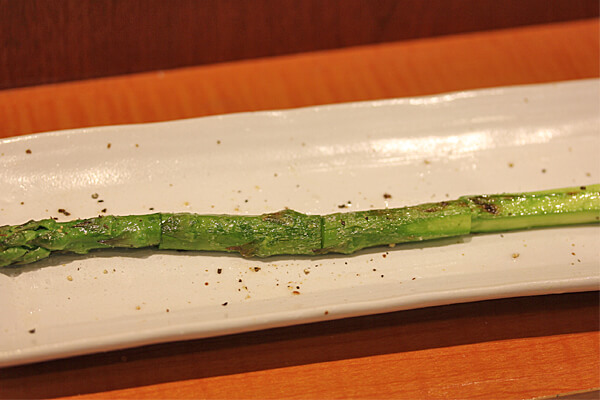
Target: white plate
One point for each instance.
(312, 160)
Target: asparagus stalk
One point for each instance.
(289, 232)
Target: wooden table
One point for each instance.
(513, 348)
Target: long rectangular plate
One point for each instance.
(356, 156)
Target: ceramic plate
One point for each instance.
(358, 156)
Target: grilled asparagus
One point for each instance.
(289, 232)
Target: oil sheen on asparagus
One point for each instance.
(289, 232)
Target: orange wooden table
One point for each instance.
(512, 348)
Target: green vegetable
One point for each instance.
(290, 232)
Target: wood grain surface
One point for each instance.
(504, 349)
(427, 66)
(54, 41)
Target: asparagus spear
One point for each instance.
(290, 232)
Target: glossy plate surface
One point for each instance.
(379, 154)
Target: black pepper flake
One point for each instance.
(151, 208)
(28, 151)
(343, 222)
(95, 196)
(103, 210)
(108, 146)
(32, 331)
(63, 211)
(491, 208)
(387, 196)
(342, 206)
(100, 201)
(224, 304)
(219, 270)
(256, 269)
